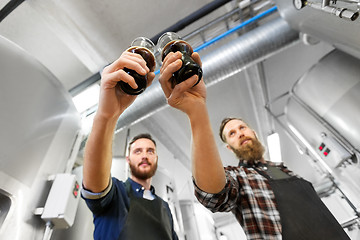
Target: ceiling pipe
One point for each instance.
(248, 49)
(203, 11)
(9, 8)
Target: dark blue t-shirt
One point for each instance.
(110, 211)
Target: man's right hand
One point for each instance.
(183, 96)
(113, 101)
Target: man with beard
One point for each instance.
(131, 209)
(268, 200)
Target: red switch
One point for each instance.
(326, 152)
(321, 147)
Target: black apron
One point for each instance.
(303, 215)
(146, 219)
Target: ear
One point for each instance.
(127, 159)
(255, 135)
(228, 147)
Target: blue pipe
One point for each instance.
(241, 25)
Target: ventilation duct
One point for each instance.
(219, 65)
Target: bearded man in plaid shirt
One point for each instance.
(268, 200)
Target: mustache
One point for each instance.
(144, 161)
(244, 139)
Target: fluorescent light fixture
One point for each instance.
(273, 142)
(87, 98)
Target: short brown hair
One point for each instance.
(223, 123)
(141, 135)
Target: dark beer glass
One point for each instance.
(171, 42)
(145, 47)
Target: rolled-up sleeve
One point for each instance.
(91, 195)
(99, 202)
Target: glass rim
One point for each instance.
(151, 46)
(162, 37)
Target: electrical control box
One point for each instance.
(62, 202)
(332, 151)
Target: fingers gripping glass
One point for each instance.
(171, 42)
(146, 48)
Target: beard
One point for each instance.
(250, 152)
(141, 174)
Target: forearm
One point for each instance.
(207, 167)
(112, 102)
(98, 154)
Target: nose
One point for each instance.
(240, 133)
(144, 155)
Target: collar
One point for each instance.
(137, 187)
(258, 163)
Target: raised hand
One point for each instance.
(182, 96)
(113, 101)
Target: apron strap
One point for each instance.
(272, 172)
(129, 193)
(128, 187)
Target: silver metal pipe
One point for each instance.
(349, 15)
(212, 23)
(219, 65)
(339, 12)
(349, 223)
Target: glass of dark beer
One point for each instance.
(172, 42)
(146, 48)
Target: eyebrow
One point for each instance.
(231, 130)
(237, 126)
(140, 148)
